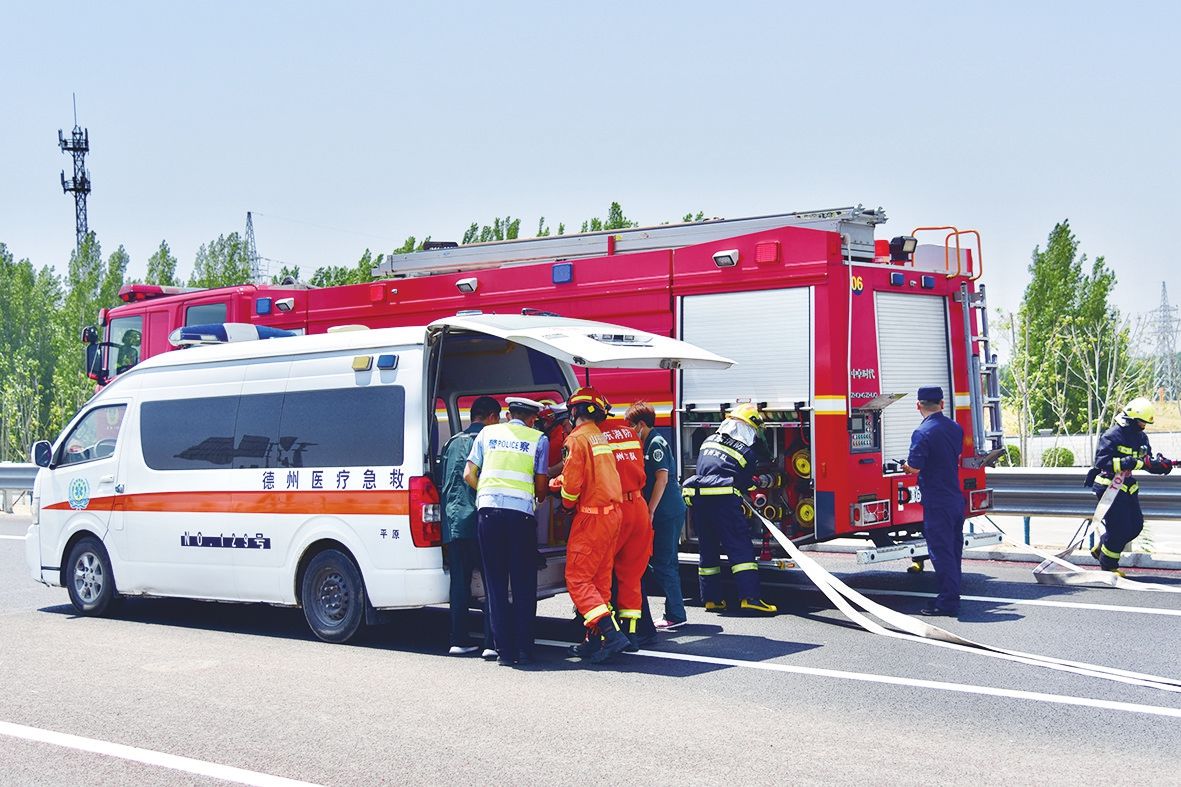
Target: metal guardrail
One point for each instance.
(1015, 490)
(16, 477)
(1060, 492)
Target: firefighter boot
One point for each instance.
(589, 646)
(613, 640)
(759, 606)
(1095, 551)
(635, 639)
(715, 606)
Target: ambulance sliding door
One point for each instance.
(913, 351)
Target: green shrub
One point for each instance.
(1058, 457)
(1011, 457)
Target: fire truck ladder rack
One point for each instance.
(856, 223)
(984, 387)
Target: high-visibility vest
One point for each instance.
(510, 452)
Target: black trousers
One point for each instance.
(463, 559)
(1124, 522)
(508, 550)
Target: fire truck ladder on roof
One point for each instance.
(984, 386)
(856, 223)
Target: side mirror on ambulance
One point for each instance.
(42, 453)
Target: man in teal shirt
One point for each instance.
(459, 528)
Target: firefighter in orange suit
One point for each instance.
(634, 546)
(590, 489)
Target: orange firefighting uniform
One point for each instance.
(590, 486)
(634, 546)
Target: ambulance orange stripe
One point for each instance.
(390, 502)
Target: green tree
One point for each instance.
(615, 221)
(162, 267)
(221, 263)
(1063, 291)
(507, 228)
(286, 273)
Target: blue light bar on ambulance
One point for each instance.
(222, 332)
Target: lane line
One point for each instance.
(1036, 602)
(13, 538)
(870, 677)
(148, 757)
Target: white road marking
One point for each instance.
(147, 756)
(14, 538)
(870, 677)
(1036, 602)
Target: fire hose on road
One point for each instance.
(907, 628)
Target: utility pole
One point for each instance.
(1165, 373)
(78, 145)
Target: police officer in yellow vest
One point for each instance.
(507, 468)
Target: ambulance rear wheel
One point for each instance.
(88, 577)
(333, 596)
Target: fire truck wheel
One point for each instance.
(88, 577)
(333, 596)
(915, 567)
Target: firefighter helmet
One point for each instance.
(748, 412)
(587, 402)
(553, 413)
(1140, 409)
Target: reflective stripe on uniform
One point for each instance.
(1131, 490)
(627, 445)
(1109, 553)
(709, 571)
(734, 569)
(630, 613)
(567, 496)
(599, 450)
(725, 449)
(690, 491)
(596, 613)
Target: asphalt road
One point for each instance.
(801, 698)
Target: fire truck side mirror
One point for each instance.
(94, 360)
(90, 335)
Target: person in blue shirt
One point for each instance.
(507, 468)
(667, 510)
(459, 528)
(935, 449)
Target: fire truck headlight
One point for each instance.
(467, 285)
(726, 259)
(902, 247)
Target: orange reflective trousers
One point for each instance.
(632, 551)
(590, 555)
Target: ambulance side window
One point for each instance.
(95, 437)
(188, 434)
(343, 428)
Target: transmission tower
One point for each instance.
(1166, 379)
(78, 145)
(256, 272)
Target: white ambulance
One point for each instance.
(298, 471)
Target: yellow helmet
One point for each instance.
(749, 413)
(1141, 409)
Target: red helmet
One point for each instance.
(587, 401)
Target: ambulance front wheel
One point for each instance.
(333, 596)
(88, 577)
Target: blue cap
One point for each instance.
(930, 393)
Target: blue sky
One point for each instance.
(395, 119)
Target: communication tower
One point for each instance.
(78, 145)
(252, 258)
(1165, 372)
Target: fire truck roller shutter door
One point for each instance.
(768, 333)
(912, 352)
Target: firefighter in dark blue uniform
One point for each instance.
(1123, 448)
(726, 464)
(935, 449)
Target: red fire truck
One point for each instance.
(832, 329)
